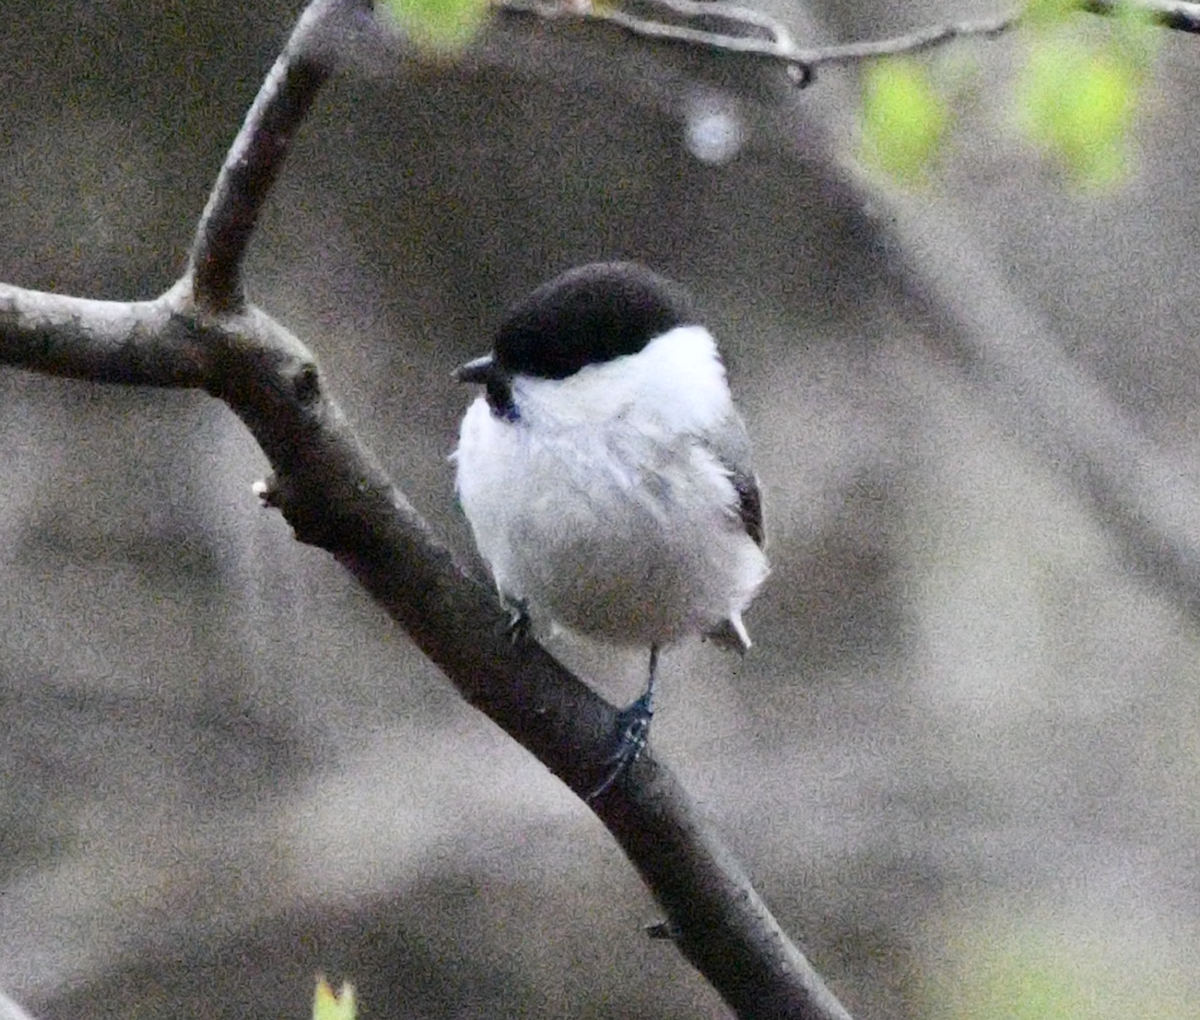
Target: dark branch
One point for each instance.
(203, 334)
(139, 343)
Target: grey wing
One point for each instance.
(750, 508)
(731, 445)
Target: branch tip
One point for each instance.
(255, 160)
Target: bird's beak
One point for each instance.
(481, 370)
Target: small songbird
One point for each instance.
(606, 473)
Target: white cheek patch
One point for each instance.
(482, 457)
(677, 379)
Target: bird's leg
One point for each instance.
(645, 704)
(633, 727)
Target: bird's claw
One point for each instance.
(633, 728)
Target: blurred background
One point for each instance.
(962, 762)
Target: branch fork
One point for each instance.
(204, 333)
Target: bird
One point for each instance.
(607, 476)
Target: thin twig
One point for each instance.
(254, 160)
(747, 27)
(1173, 14)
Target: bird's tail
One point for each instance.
(730, 635)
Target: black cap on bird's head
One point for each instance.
(586, 316)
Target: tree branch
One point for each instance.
(254, 161)
(754, 34)
(138, 343)
(203, 334)
(1173, 14)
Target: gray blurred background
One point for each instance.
(963, 759)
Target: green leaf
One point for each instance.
(443, 27)
(328, 1005)
(904, 118)
(1077, 96)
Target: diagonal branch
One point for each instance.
(336, 496)
(203, 334)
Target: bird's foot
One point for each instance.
(633, 727)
